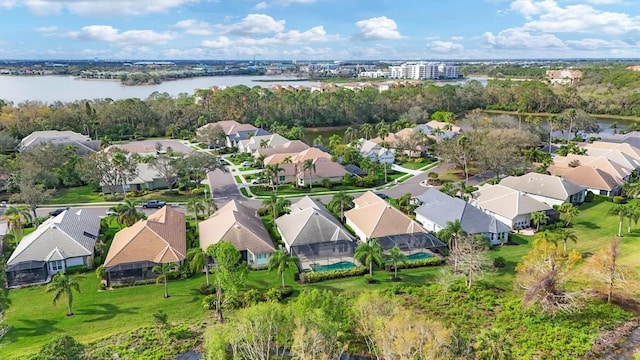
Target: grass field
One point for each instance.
(98, 314)
(82, 194)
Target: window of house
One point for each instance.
(57, 265)
(262, 256)
(281, 178)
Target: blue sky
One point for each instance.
(319, 29)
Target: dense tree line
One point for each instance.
(603, 92)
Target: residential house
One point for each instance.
(290, 147)
(323, 168)
(375, 152)
(593, 179)
(258, 142)
(439, 130)
(135, 250)
(241, 226)
(632, 138)
(374, 218)
(564, 76)
(627, 161)
(236, 131)
(509, 206)
(83, 143)
(148, 179)
(312, 234)
(624, 147)
(549, 189)
(611, 167)
(65, 240)
(296, 157)
(439, 209)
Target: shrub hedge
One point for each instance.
(312, 277)
(434, 261)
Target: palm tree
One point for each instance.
(368, 253)
(566, 235)
(343, 200)
(279, 261)
(539, 217)
(16, 217)
(404, 203)
(309, 166)
(62, 284)
(395, 256)
(619, 210)
(451, 234)
(126, 212)
(349, 134)
(162, 270)
(633, 214)
(569, 211)
(545, 236)
(198, 261)
(264, 143)
(195, 205)
(632, 189)
(273, 172)
(276, 205)
(366, 130)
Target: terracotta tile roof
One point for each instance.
(161, 238)
(377, 218)
(587, 176)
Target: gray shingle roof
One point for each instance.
(442, 208)
(73, 233)
(310, 223)
(549, 186)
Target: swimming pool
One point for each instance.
(342, 265)
(419, 256)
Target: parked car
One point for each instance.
(111, 212)
(382, 196)
(246, 164)
(57, 212)
(154, 204)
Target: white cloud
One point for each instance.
(8, 3)
(605, 2)
(221, 42)
(377, 28)
(315, 34)
(597, 44)
(579, 18)
(255, 24)
(444, 46)
(457, 38)
(194, 27)
(261, 5)
(101, 8)
(520, 39)
(109, 34)
(46, 29)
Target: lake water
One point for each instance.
(67, 88)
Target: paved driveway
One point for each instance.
(224, 189)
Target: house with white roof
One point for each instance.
(83, 143)
(65, 240)
(549, 189)
(439, 209)
(261, 142)
(511, 207)
(375, 152)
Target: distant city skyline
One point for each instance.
(319, 29)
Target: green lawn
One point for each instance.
(81, 194)
(412, 165)
(238, 179)
(98, 314)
